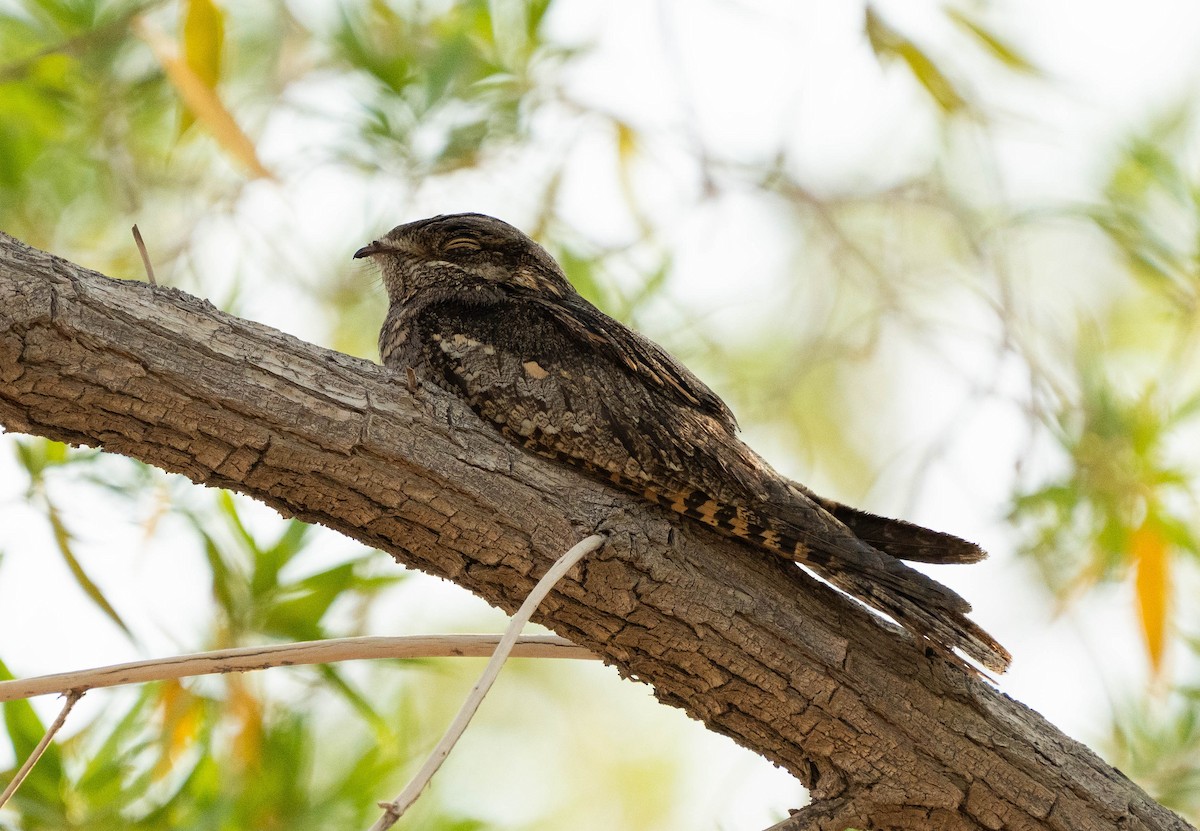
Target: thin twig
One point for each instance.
(72, 697)
(247, 658)
(392, 811)
(141, 246)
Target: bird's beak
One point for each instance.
(368, 250)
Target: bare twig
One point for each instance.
(21, 774)
(245, 659)
(141, 246)
(392, 811)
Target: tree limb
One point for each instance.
(750, 645)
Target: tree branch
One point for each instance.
(747, 643)
(266, 656)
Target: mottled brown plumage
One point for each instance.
(481, 310)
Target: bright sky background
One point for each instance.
(745, 76)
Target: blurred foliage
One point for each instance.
(448, 82)
(1127, 501)
(1151, 210)
(1156, 740)
(83, 120)
(228, 752)
(37, 458)
(198, 118)
(890, 44)
(1118, 509)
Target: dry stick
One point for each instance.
(392, 811)
(141, 246)
(247, 658)
(72, 697)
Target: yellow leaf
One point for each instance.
(1153, 585)
(203, 36)
(627, 141)
(182, 717)
(628, 147)
(201, 100)
(246, 711)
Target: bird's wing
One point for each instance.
(547, 384)
(660, 370)
(554, 385)
(641, 356)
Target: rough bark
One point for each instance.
(884, 734)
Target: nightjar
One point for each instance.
(481, 310)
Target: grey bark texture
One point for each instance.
(884, 735)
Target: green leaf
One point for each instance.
(389, 63)
(384, 734)
(935, 82)
(41, 792)
(581, 270)
(1156, 741)
(999, 48)
(650, 288)
(62, 539)
(37, 456)
(534, 13)
(223, 577)
(203, 38)
(303, 604)
(228, 510)
(70, 16)
(269, 561)
(887, 42)
(103, 778)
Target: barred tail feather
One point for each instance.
(855, 565)
(904, 540)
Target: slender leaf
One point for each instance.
(1000, 49)
(41, 792)
(62, 540)
(304, 603)
(888, 42)
(203, 39)
(269, 561)
(202, 101)
(1153, 587)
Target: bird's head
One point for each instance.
(451, 250)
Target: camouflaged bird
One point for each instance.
(481, 310)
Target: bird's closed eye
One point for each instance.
(462, 244)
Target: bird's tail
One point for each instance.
(904, 540)
(861, 553)
(915, 601)
(858, 553)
